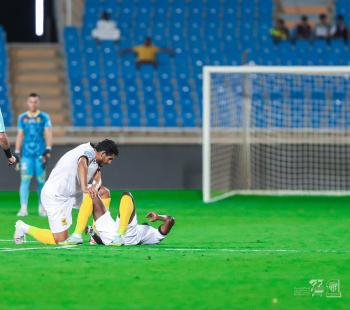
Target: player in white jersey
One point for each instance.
(65, 189)
(125, 228)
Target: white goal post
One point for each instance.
(277, 130)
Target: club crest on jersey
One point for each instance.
(64, 221)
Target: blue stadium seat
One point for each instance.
(80, 118)
(188, 119)
(134, 118)
(152, 118)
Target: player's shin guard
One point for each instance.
(84, 215)
(42, 235)
(126, 208)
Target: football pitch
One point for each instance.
(246, 252)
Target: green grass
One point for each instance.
(232, 268)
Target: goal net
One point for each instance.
(276, 130)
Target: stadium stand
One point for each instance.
(107, 90)
(4, 89)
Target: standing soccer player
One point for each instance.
(33, 147)
(4, 143)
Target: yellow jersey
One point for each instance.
(146, 53)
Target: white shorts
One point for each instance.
(106, 228)
(141, 234)
(59, 211)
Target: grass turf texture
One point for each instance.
(235, 265)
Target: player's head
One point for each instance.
(33, 102)
(106, 151)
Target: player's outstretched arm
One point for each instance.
(168, 220)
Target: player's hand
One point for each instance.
(47, 152)
(18, 157)
(46, 155)
(92, 192)
(152, 216)
(12, 160)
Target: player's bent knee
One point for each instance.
(127, 194)
(61, 236)
(104, 192)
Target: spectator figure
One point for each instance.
(279, 32)
(147, 53)
(303, 29)
(339, 29)
(322, 29)
(106, 29)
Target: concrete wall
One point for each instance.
(138, 167)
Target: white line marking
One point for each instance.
(40, 248)
(236, 250)
(160, 248)
(11, 240)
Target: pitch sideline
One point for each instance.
(70, 247)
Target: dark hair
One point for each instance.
(35, 95)
(323, 16)
(105, 15)
(304, 18)
(340, 17)
(108, 146)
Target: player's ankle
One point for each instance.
(24, 207)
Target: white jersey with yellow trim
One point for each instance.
(63, 181)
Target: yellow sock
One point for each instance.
(126, 208)
(84, 214)
(42, 235)
(106, 202)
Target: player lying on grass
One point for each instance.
(124, 230)
(65, 189)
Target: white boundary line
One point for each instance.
(39, 248)
(238, 250)
(225, 250)
(160, 248)
(11, 240)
